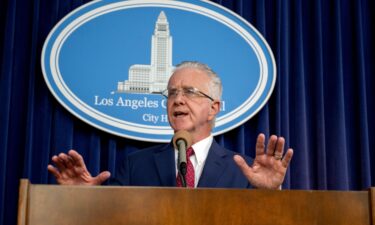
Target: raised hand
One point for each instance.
(71, 170)
(270, 166)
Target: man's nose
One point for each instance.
(180, 97)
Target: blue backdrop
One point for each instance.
(323, 102)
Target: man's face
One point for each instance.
(193, 114)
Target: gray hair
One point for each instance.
(215, 87)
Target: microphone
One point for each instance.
(181, 141)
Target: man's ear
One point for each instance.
(215, 109)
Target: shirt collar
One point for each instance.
(201, 149)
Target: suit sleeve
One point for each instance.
(122, 176)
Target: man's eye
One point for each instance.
(190, 91)
(172, 92)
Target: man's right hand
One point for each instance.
(71, 170)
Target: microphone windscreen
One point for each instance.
(182, 135)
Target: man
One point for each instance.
(193, 93)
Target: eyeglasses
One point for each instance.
(189, 92)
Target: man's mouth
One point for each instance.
(179, 114)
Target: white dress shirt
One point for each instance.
(198, 160)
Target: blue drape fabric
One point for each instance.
(323, 102)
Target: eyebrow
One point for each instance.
(181, 87)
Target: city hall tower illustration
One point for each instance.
(152, 78)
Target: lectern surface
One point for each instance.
(71, 205)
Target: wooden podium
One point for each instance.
(68, 205)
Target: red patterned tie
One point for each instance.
(190, 175)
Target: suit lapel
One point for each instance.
(165, 165)
(214, 167)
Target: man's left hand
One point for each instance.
(270, 166)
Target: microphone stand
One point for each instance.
(183, 179)
(182, 161)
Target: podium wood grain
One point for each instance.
(68, 205)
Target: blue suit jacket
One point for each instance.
(155, 166)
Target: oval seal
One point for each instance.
(107, 61)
